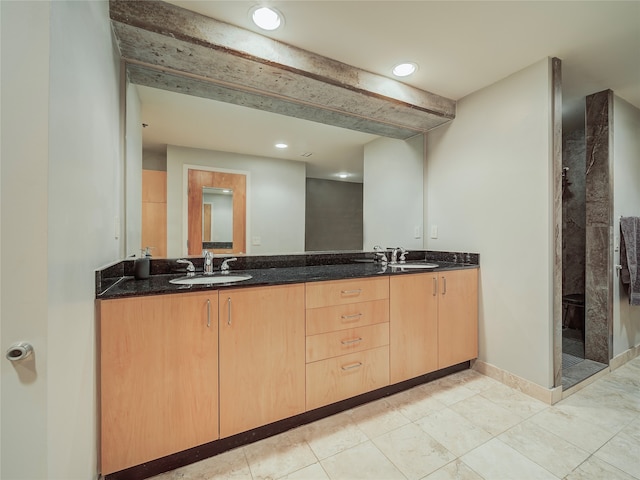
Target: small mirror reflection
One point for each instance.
(217, 218)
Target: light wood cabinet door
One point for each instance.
(154, 228)
(154, 212)
(262, 356)
(158, 376)
(413, 318)
(457, 317)
(154, 186)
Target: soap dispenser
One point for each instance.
(142, 265)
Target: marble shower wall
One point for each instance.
(599, 227)
(574, 213)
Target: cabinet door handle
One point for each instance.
(208, 313)
(228, 310)
(351, 292)
(351, 318)
(435, 286)
(351, 366)
(352, 341)
(444, 285)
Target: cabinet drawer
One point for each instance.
(332, 344)
(346, 376)
(342, 317)
(340, 292)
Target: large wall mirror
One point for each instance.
(365, 189)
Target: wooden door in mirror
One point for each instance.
(197, 180)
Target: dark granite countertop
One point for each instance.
(128, 286)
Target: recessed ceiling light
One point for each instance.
(267, 18)
(281, 145)
(404, 69)
(343, 175)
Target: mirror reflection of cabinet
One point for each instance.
(202, 225)
(154, 212)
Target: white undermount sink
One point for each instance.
(413, 265)
(209, 279)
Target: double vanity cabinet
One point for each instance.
(181, 370)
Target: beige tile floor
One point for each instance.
(465, 426)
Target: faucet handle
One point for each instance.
(225, 264)
(380, 254)
(190, 268)
(403, 253)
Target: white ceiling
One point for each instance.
(201, 123)
(460, 47)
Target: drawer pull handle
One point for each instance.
(351, 366)
(352, 341)
(229, 311)
(357, 291)
(208, 313)
(354, 317)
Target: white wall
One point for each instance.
(275, 198)
(626, 202)
(154, 160)
(488, 184)
(23, 296)
(85, 201)
(393, 193)
(62, 169)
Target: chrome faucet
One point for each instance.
(191, 270)
(208, 262)
(394, 255)
(224, 268)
